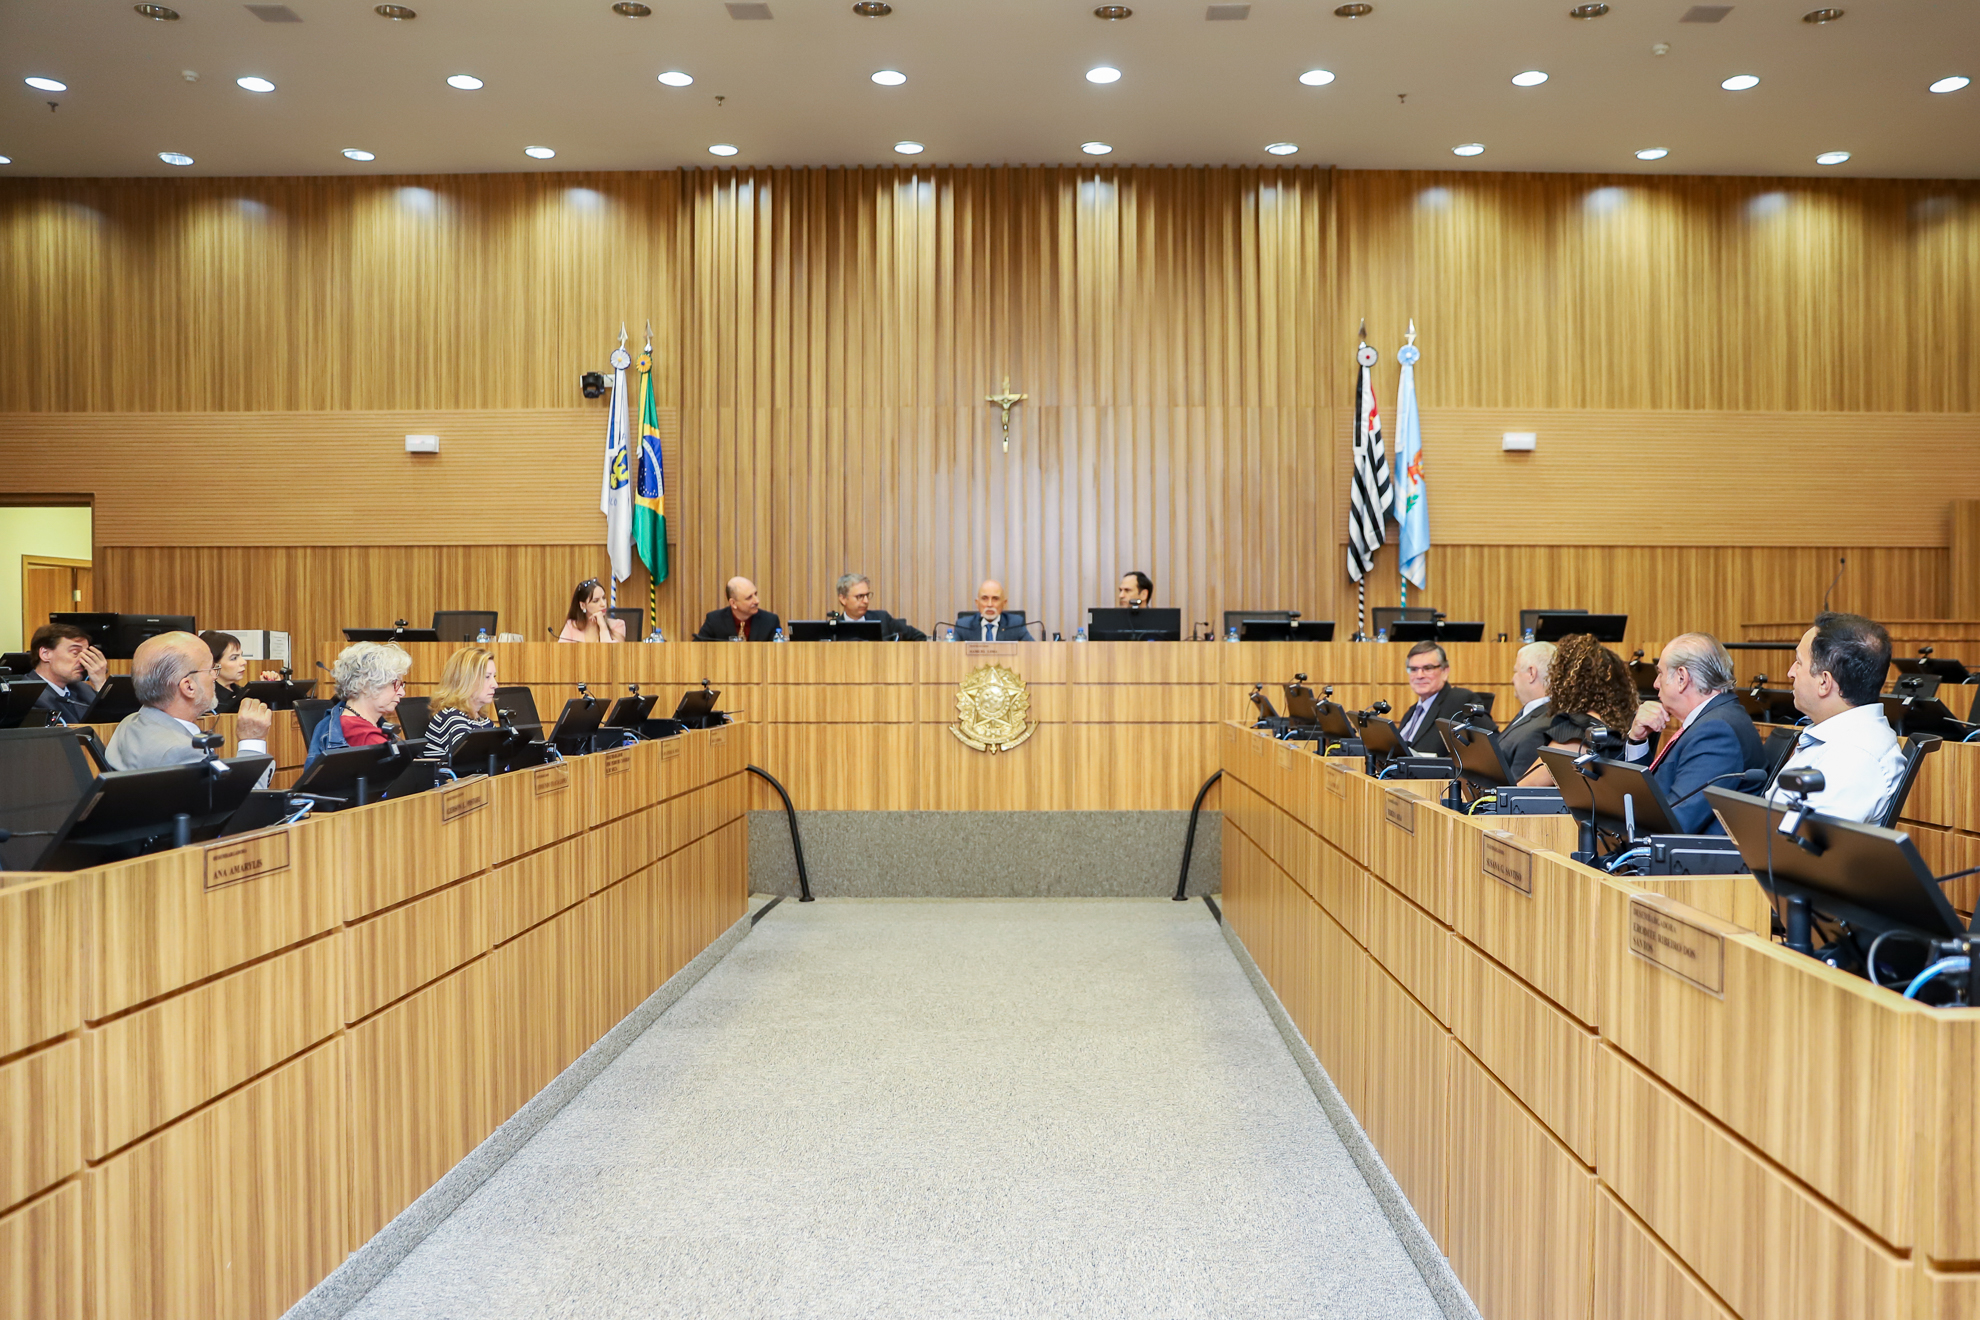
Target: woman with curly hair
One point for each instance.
(1588, 684)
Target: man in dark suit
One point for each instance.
(856, 602)
(1520, 741)
(742, 617)
(63, 656)
(1430, 679)
(991, 622)
(1706, 736)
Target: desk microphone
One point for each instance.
(585, 692)
(552, 631)
(1842, 562)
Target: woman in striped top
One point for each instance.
(463, 702)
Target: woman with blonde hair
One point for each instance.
(463, 703)
(1588, 684)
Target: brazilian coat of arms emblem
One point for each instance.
(993, 710)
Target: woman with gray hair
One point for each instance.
(370, 678)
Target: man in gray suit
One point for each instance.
(173, 676)
(1521, 741)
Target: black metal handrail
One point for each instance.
(1189, 839)
(797, 846)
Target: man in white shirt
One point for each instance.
(173, 676)
(1837, 674)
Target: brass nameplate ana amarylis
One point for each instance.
(248, 857)
(552, 779)
(973, 649)
(1683, 948)
(618, 762)
(993, 709)
(1506, 859)
(458, 802)
(1399, 809)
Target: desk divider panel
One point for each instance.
(405, 847)
(41, 1127)
(536, 808)
(41, 963)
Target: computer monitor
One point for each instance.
(1147, 624)
(390, 635)
(520, 703)
(1384, 618)
(43, 774)
(1236, 618)
(1913, 716)
(1530, 619)
(357, 775)
(279, 693)
(1476, 753)
(17, 704)
(1436, 630)
(118, 635)
(18, 662)
(497, 751)
(576, 723)
(633, 616)
(697, 708)
(1556, 624)
(117, 699)
(1946, 671)
(630, 712)
(836, 630)
(1254, 628)
(124, 813)
(461, 625)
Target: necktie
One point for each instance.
(1415, 721)
(989, 630)
(1670, 740)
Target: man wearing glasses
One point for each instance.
(173, 674)
(1430, 679)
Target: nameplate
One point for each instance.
(617, 763)
(1508, 861)
(1399, 809)
(458, 802)
(670, 748)
(1337, 781)
(973, 649)
(248, 857)
(1680, 947)
(720, 737)
(552, 779)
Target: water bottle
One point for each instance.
(656, 635)
(949, 633)
(481, 636)
(1231, 634)
(1526, 635)
(1381, 634)
(1080, 636)
(778, 636)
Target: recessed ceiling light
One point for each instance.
(539, 153)
(466, 82)
(397, 13)
(890, 77)
(356, 154)
(253, 84)
(1821, 15)
(1740, 82)
(1354, 11)
(159, 12)
(1103, 74)
(1832, 158)
(723, 149)
(675, 78)
(1317, 77)
(1531, 78)
(1113, 12)
(1095, 148)
(1653, 153)
(6, 160)
(1282, 148)
(175, 158)
(1951, 84)
(1588, 11)
(1468, 149)
(632, 9)
(873, 8)
(47, 85)
(909, 148)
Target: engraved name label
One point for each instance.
(1507, 862)
(552, 779)
(1337, 781)
(719, 737)
(1688, 951)
(617, 763)
(973, 649)
(246, 858)
(670, 749)
(458, 802)
(1400, 812)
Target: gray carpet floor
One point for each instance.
(899, 1107)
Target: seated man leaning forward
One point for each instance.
(743, 619)
(173, 675)
(1837, 674)
(1706, 736)
(71, 667)
(855, 594)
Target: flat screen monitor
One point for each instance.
(43, 775)
(1148, 624)
(1235, 618)
(336, 774)
(1384, 618)
(1268, 629)
(117, 699)
(520, 704)
(697, 707)
(1946, 671)
(633, 616)
(836, 630)
(124, 813)
(1436, 630)
(17, 704)
(390, 635)
(1476, 753)
(496, 751)
(1556, 624)
(278, 693)
(17, 662)
(630, 712)
(1531, 618)
(461, 626)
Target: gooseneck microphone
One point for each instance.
(1842, 562)
(1748, 779)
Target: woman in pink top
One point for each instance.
(588, 621)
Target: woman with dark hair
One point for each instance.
(1588, 684)
(230, 666)
(587, 620)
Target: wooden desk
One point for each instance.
(227, 1066)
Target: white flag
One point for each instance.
(615, 496)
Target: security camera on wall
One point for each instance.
(593, 384)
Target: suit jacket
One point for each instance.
(1010, 627)
(1443, 706)
(891, 627)
(1718, 739)
(1520, 742)
(74, 707)
(720, 626)
(150, 739)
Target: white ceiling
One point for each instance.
(988, 83)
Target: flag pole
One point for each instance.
(652, 587)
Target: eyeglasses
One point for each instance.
(1426, 669)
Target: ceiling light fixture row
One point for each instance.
(253, 84)
(889, 77)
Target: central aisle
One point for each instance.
(902, 1107)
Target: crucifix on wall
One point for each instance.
(1007, 401)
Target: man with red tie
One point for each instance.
(1706, 736)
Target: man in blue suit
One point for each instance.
(1705, 735)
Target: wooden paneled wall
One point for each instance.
(1709, 363)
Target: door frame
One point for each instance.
(46, 561)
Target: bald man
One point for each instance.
(173, 675)
(991, 622)
(743, 619)
(1705, 737)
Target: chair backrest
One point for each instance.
(1915, 748)
(1486, 699)
(1531, 618)
(634, 617)
(1780, 745)
(462, 625)
(413, 716)
(309, 713)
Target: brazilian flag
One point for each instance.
(649, 506)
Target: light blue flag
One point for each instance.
(1412, 497)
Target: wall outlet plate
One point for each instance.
(422, 444)
(1519, 442)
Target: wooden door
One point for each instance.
(52, 586)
